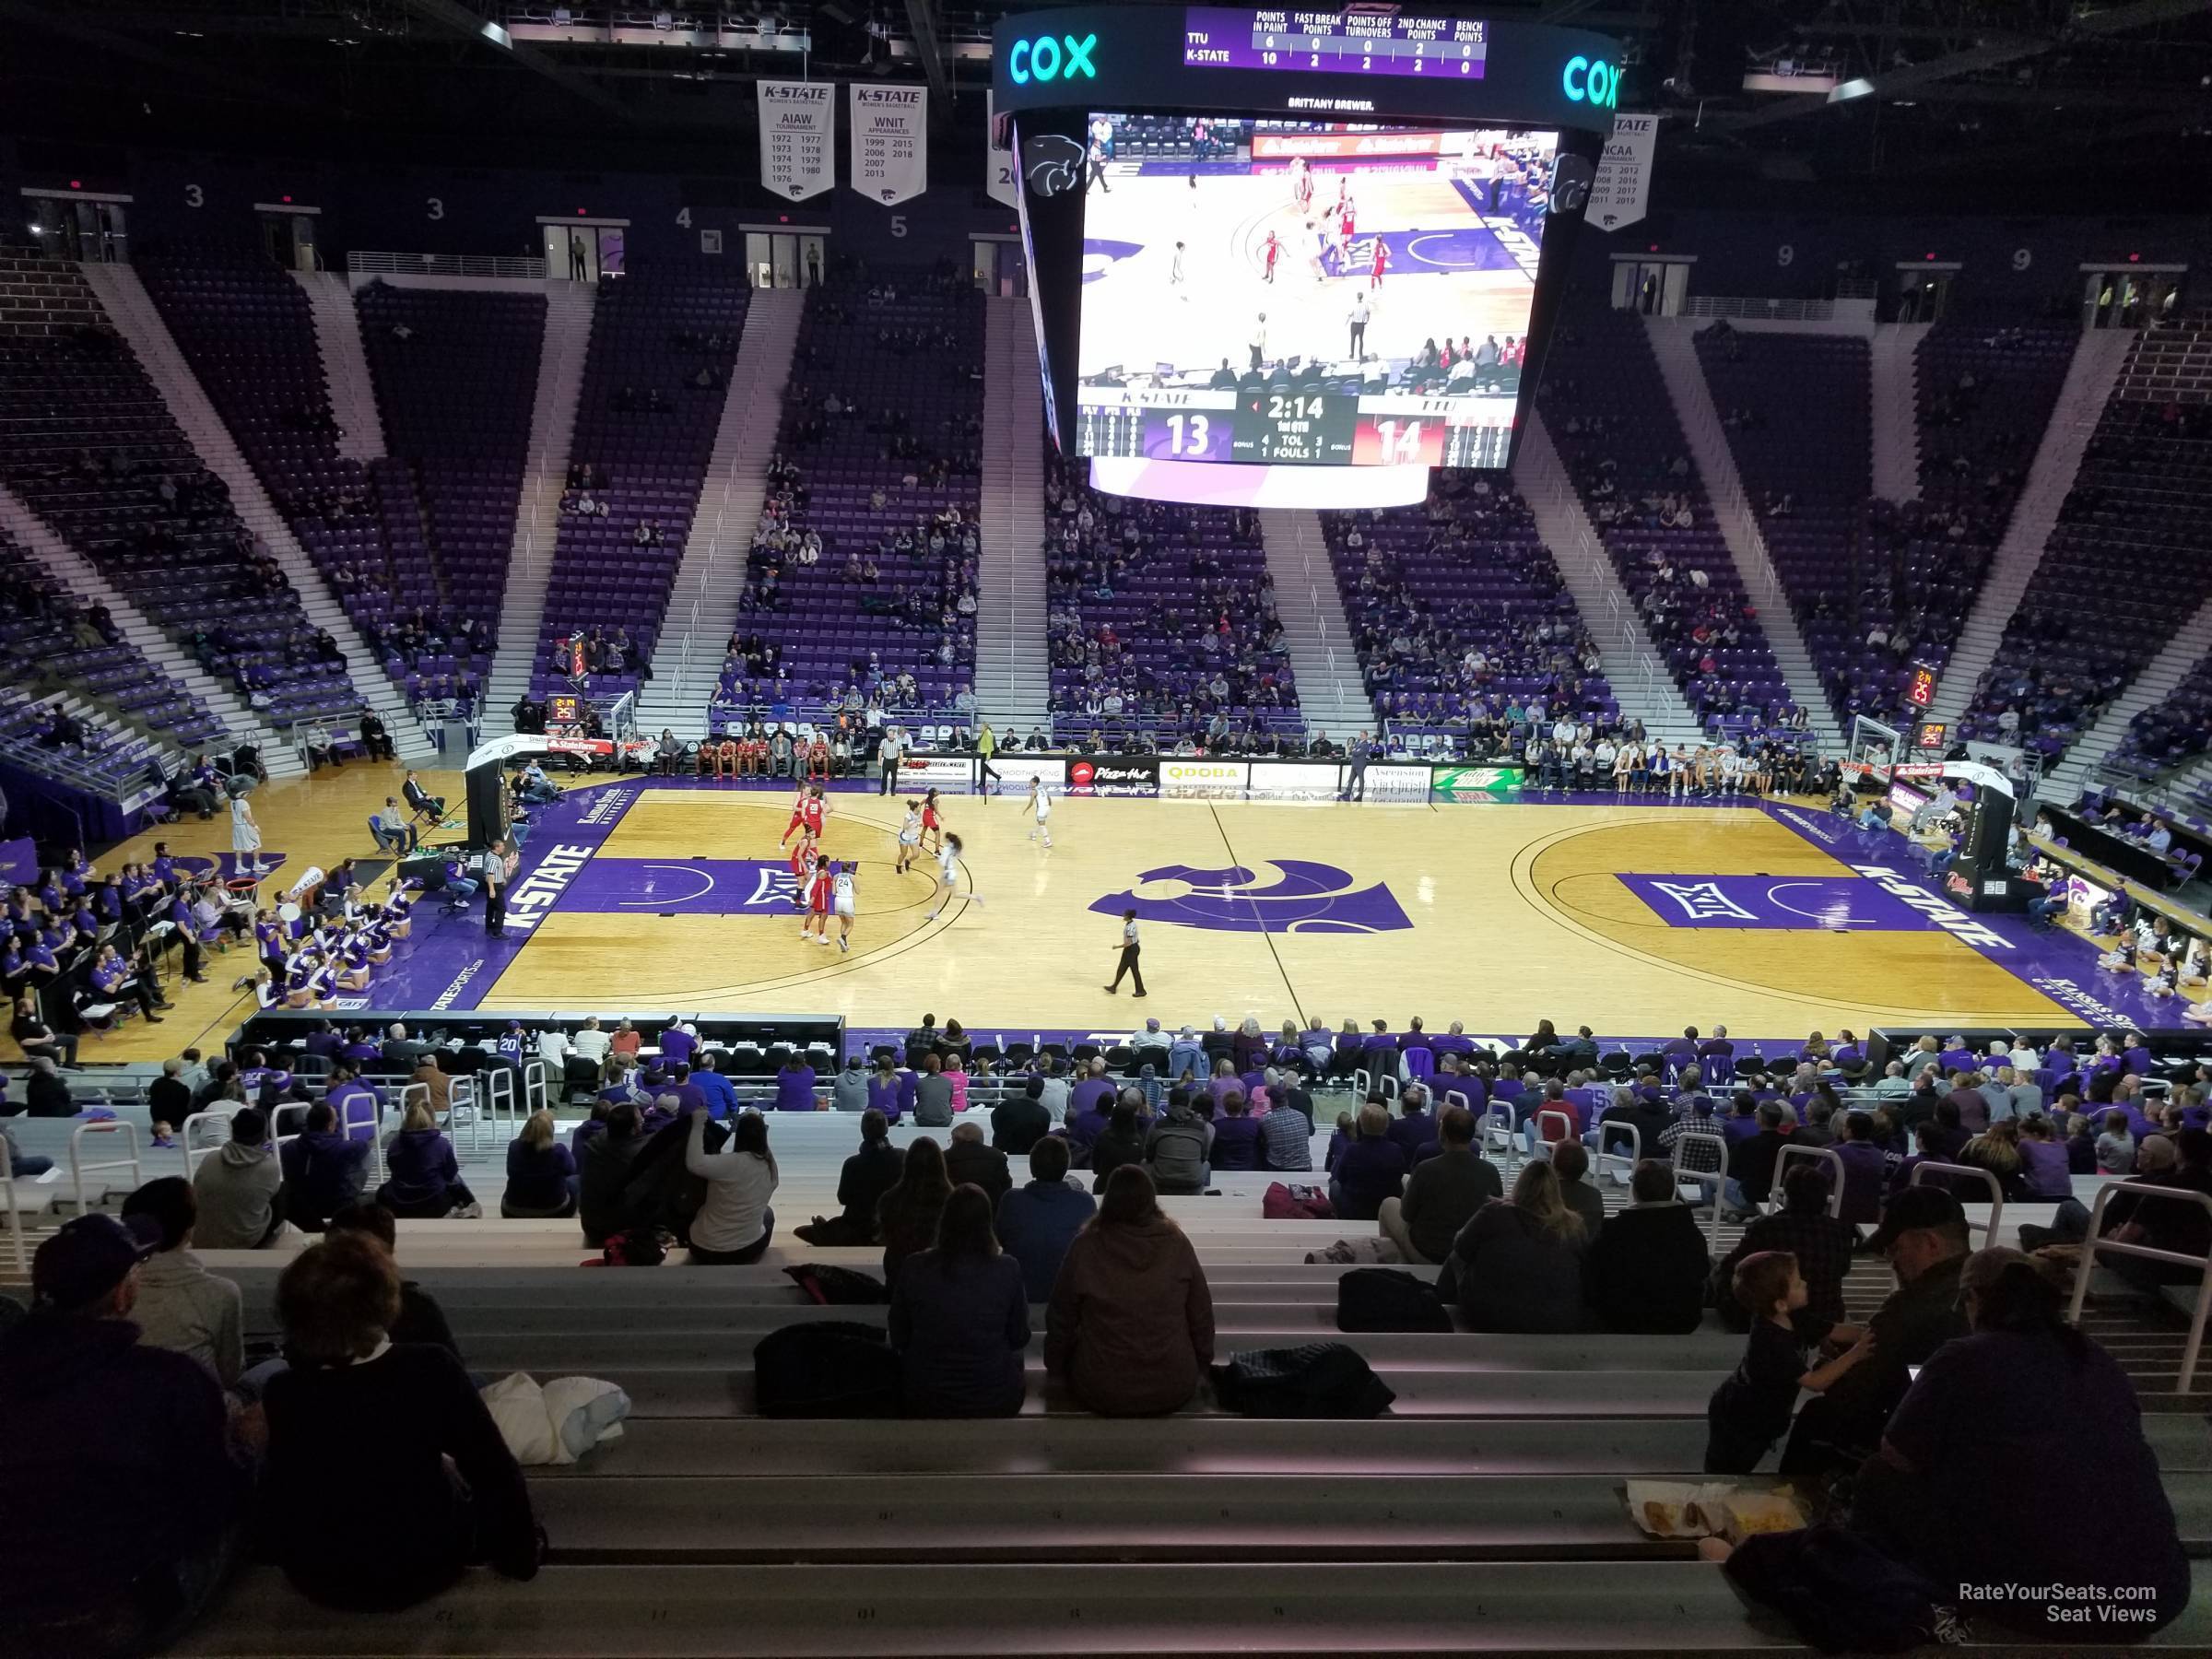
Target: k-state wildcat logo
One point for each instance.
(1305, 898)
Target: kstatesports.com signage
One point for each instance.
(1113, 775)
(1470, 782)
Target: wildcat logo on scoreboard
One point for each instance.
(1305, 897)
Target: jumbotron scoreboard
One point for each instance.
(1266, 244)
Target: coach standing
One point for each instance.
(886, 756)
(1131, 950)
(1355, 777)
(1358, 319)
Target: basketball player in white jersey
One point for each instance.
(841, 905)
(909, 837)
(1041, 804)
(948, 874)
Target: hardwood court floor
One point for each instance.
(1498, 915)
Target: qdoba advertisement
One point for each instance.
(1202, 780)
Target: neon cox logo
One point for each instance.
(1051, 57)
(1592, 80)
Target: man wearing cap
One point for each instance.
(125, 1496)
(1923, 1236)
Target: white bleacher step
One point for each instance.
(719, 1390)
(908, 1612)
(1055, 1516)
(1195, 1445)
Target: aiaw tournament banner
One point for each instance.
(798, 137)
(890, 143)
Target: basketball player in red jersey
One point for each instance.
(1269, 252)
(933, 828)
(1374, 276)
(817, 886)
(807, 814)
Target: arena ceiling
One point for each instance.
(2013, 104)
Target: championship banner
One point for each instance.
(998, 164)
(890, 143)
(1623, 189)
(798, 137)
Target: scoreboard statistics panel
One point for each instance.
(1335, 42)
(1274, 427)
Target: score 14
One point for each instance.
(1394, 442)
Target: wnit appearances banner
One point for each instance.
(890, 143)
(798, 137)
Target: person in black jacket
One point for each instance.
(868, 1174)
(44, 1092)
(168, 1100)
(968, 1159)
(1646, 1271)
(1021, 1120)
(443, 1493)
(420, 1318)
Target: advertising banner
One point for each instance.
(1015, 770)
(1475, 783)
(890, 143)
(1113, 775)
(1194, 778)
(798, 139)
(1623, 189)
(1396, 783)
(952, 772)
(1296, 780)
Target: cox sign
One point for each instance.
(1051, 57)
(1591, 82)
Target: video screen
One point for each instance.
(1306, 294)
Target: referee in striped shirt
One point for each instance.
(1131, 950)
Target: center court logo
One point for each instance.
(1304, 898)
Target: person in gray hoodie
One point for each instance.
(182, 1306)
(1177, 1150)
(849, 1092)
(237, 1189)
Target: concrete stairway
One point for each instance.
(2090, 379)
(2153, 683)
(131, 309)
(703, 607)
(1013, 669)
(1671, 345)
(84, 581)
(1634, 668)
(1332, 694)
(1895, 410)
(345, 365)
(537, 514)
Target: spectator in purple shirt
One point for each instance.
(794, 1086)
(1093, 1097)
(1415, 1127)
(1370, 1169)
(678, 1045)
(1864, 1170)
(1236, 1134)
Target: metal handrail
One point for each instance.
(1719, 1178)
(1996, 1191)
(374, 263)
(1827, 1155)
(2095, 1244)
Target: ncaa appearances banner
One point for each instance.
(1475, 783)
(890, 143)
(798, 137)
(1183, 778)
(1113, 775)
(998, 164)
(1623, 188)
